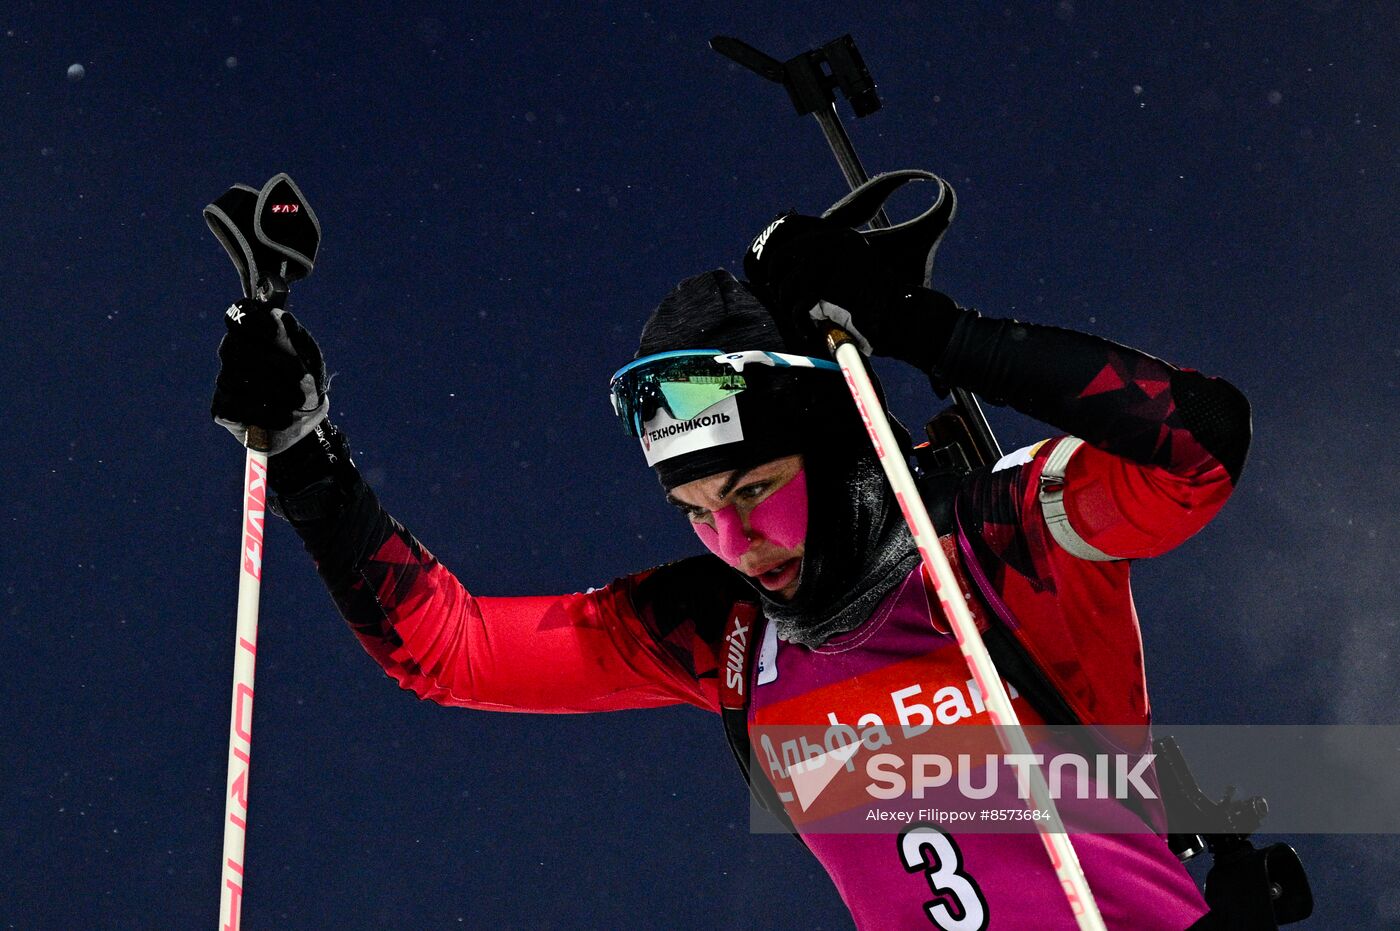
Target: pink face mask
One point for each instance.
(781, 518)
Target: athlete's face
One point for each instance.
(755, 519)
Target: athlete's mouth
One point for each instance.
(780, 576)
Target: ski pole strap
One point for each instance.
(271, 234)
(905, 249)
(1052, 504)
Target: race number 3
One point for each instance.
(958, 904)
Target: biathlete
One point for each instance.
(757, 443)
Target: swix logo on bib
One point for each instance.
(664, 437)
(735, 651)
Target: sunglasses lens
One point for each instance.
(684, 387)
(687, 383)
(687, 398)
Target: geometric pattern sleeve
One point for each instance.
(618, 647)
(1163, 447)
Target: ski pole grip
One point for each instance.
(257, 439)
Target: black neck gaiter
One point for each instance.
(858, 546)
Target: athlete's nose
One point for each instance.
(729, 539)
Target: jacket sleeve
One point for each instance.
(1164, 447)
(618, 647)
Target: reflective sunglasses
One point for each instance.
(686, 382)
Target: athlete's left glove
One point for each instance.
(271, 375)
(813, 270)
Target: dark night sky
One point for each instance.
(505, 195)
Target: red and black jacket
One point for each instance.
(1163, 448)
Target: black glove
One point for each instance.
(271, 375)
(813, 270)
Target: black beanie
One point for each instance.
(711, 310)
(715, 311)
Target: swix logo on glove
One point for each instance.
(762, 239)
(235, 313)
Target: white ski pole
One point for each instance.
(240, 729)
(979, 661)
(272, 235)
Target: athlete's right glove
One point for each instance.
(271, 375)
(813, 270)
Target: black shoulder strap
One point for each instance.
(1015, 663)
(742, 633)
(1021, 670)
